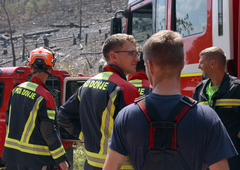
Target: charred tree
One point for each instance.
(10, 32)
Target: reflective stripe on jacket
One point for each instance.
(30, 106)
(140, 81)
(225, 101)
(96, 104)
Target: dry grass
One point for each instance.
(79, 156)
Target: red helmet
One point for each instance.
(43, 56)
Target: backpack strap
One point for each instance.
(148, 109)
(181, 108)
(166, 130)
(140, 98)
(175, 116)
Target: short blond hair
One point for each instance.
(165, 48)
(115, 41)
(214, 53)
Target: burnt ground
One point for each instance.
(57, 21)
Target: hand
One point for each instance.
(64, 165)
(238, 135)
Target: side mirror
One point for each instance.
(116, 26)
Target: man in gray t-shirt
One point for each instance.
(201, 137)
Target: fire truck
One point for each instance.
(61, 85)
(202, 24)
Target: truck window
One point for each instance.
(54, 86)
(140, 24)
(191, 17)
(73, 87)
(160, 15)
(1, 92)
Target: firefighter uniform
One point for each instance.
(140, 80)
(226, 102)
(32, 139)
(91, 111)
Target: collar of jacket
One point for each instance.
(223, 88)
(138, 75)
(115, 69)
(36, 80)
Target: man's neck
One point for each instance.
(167, 87)
(42, 77)
(217, 79)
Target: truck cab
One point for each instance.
(202, 24)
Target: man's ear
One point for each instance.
(213, 63)
(50, 70)
(112, 56)
(31, 68)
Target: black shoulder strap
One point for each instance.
(152, 114)
(140, 98)
(148, 109)
(181, 108)
(167, 139)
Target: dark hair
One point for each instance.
(38, 68)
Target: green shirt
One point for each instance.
(210, 91)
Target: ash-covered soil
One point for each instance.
(57, 22)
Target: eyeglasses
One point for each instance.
(132, 53)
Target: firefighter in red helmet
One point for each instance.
(32, 141)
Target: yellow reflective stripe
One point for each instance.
(191, 74)
(13, 91)
(204, 102)
(95, 155)
(51, 114)
(103, 76)
(30, 124)
(104, 135)
(127, 167)
(113, 96)
(79, 94)
(81, 136)
(227, 102)
(97, 160)
(136, 82)
(58, 152)
(95, 164)
(224, 102)
(107, 123)
(26, 147)
(29, 86)
(9, 120)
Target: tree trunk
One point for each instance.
(10, 32)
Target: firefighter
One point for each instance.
(89, 114)
(164, 131)
(32, 141)
(221, 92)
(140, 79)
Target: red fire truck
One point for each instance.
(61, 85)
(202, 23)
